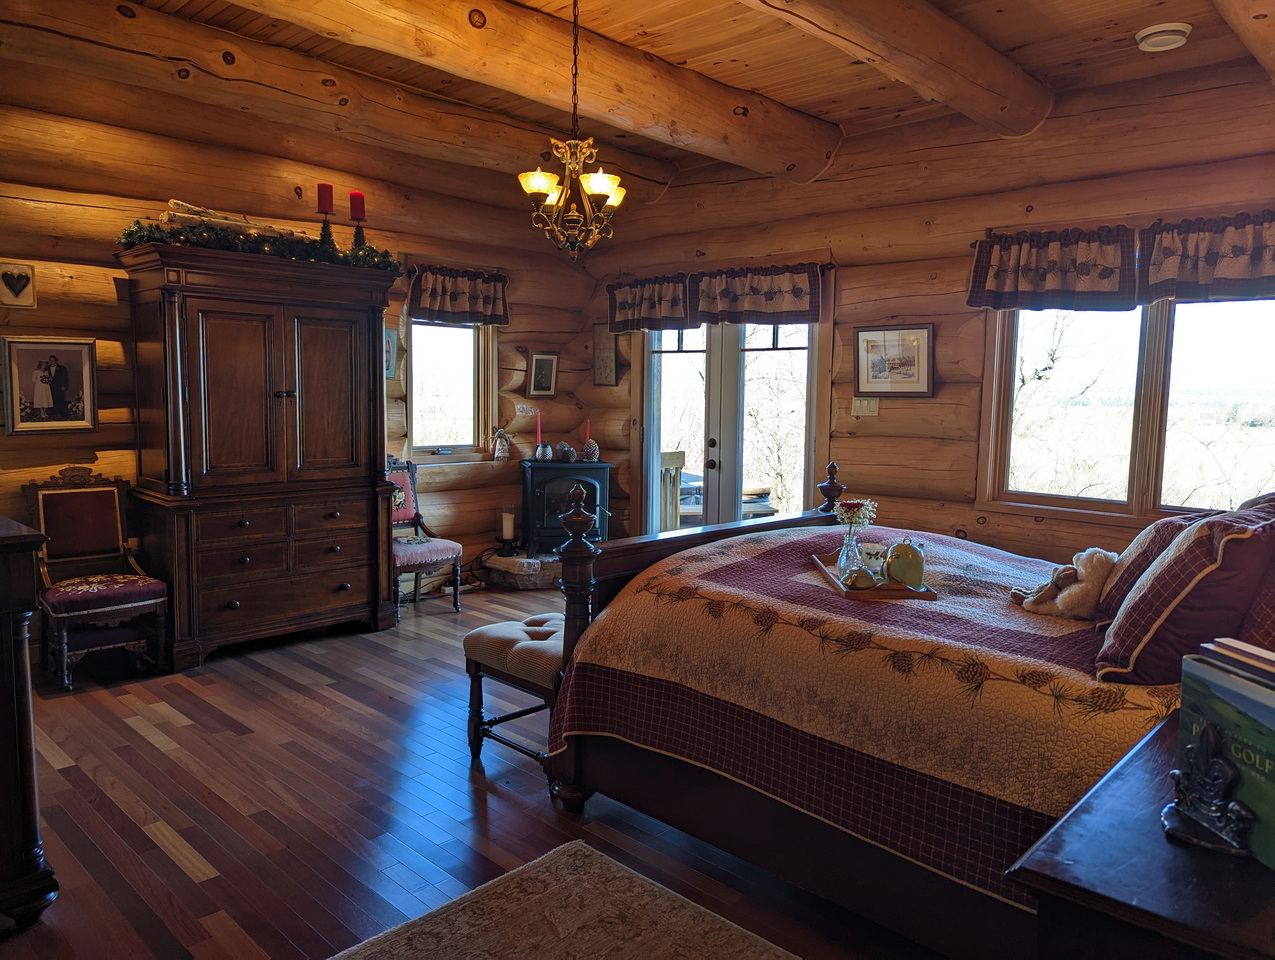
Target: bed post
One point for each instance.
(831, 489)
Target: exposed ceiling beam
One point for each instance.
(1254, 23)
(131, 44)
(529, 53)
(910, 41)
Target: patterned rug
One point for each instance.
(571, 904)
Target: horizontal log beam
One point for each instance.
(912, 42)
(529, 53)
(1254, 23)
(134, 45)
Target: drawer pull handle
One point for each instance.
(336, 548)
(245, 523)
(245, 560)
(284, 394)
(343, 586)
(335, 515)
(232, 605)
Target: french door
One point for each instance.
(728, 423)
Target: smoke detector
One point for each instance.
(1162, 36)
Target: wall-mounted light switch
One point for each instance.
(864, 407)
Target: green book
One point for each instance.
(1244, 712)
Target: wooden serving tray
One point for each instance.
(882, 591)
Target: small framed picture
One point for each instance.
(50, 384)
(542, 374)
(894, 361)
(604, 373)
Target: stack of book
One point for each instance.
(1231, 685)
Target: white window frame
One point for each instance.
(485, 401)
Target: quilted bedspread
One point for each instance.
(953, 732)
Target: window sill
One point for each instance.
(427, 457)
(1116, 516)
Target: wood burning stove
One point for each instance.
(545, 485)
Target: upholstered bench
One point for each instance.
(525, 654)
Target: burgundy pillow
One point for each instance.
(1199, 588)
(1137, 557)
(1259, 623)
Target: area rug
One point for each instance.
(571, 904)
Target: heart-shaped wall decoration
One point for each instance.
(15, 283)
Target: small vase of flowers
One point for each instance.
(856, 514)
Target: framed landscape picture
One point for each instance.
(50, 384)
(542, 374)
(894, 361)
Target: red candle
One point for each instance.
(537, 427)
(586, 430)
(325, 199)
(358, 210)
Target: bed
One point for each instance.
(894, 757)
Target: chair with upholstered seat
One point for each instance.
(526, 655)
(423, 552)
(94, 596)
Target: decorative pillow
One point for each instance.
(1199, 588)
(1137, 557)
(1259, 623)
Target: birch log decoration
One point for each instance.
(185, 214)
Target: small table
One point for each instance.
(1111, 885)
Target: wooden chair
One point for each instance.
(424, 552)
(93, 595)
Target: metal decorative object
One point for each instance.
(573, 210)
(1202, 812)
(544, 451)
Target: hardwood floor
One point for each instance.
(293, 797)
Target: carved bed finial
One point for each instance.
(831, 489)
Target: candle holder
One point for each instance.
(359, 239)
(544, 451)
(325, 235)
(507, 547)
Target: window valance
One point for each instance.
(452, 296)
(778, 294)
(1204, 259)
(653, 303)
(1077, 269)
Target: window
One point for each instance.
(1163, 407)
(453, 391)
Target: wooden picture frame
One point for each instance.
(17, 285)
(542, 374)
(894, 361)
(31, 378)
(604, 372)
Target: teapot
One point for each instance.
(905, 563)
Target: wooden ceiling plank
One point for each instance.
(1254, 23)
(513, 48)
(912, 42)
(159, 52)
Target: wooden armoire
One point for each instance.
(261, 495)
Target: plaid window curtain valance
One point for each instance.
(785, 294)
(446, 295)
(789, 294)
(1205, 259)
(653, 303)
(1076, 269)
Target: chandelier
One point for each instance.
(574, 210)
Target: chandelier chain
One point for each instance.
(575, 69)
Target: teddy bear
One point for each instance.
(1073, 590)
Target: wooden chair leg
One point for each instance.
(456, 585)
(475, 726)
(63, 659)
(416, 588)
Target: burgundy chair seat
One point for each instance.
(418, 551)
(102, 593)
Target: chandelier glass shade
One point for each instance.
(573, 208)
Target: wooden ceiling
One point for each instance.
(772, 86)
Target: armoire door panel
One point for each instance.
(331, 387)
(235, 367)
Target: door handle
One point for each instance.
(710, 464)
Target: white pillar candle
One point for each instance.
(507, 525)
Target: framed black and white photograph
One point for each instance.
(542, 374)
(50, 384)
(604, 373)
(894, 361)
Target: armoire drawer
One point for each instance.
(250, 560)
(326, 551)
(241, 606)
(331, 515)
(251, 521)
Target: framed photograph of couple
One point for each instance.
(50, 384)
(542, 374)
(894, 361)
